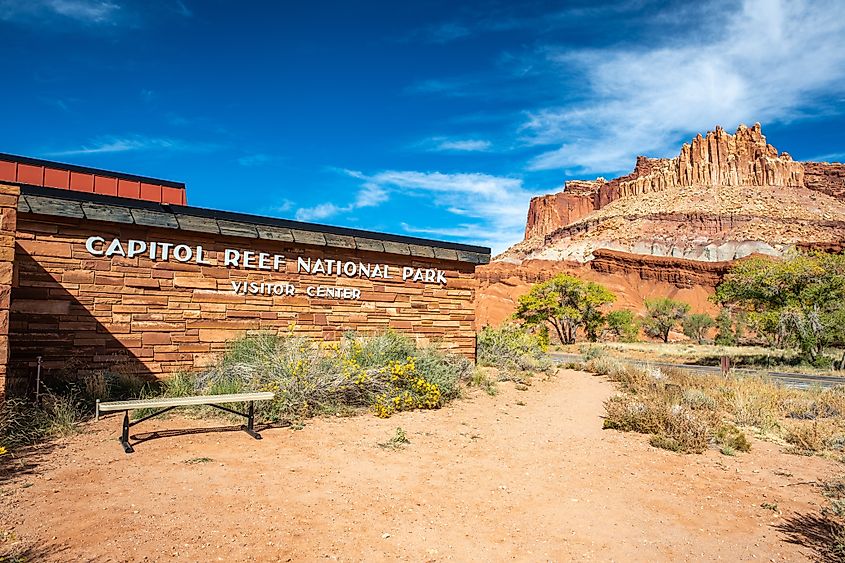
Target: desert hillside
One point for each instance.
(674, 225)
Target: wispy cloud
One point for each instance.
(489, 209)
(280, 208)
(98, 12)
(369, 195)
(830, 157)
(642, 100)
(446, 144)
(183, 10)
(518, 16)
(135, 143)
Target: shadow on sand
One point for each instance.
(825, 537)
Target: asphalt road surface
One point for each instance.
(790, 379)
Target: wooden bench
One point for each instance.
(168, 403)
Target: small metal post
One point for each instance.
(38, 383)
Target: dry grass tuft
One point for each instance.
(687, 412)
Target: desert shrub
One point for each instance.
(691, 430)
(698, 399)
(729, 436)
(673, 427)
(482, 378)
(754, 401)
(810, 438)
(447, 371)
(386, 373)
(513, 347)
(685, 410)
(378, 350)
(632, 414)
(591, 352)
(605, 365)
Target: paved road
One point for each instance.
(790, 379)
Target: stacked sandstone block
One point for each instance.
(159, 317)
(8, 213)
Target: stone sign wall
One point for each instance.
(105, 295)
(8, 216)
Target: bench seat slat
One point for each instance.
(162, 402)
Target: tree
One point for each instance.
(695, 326)
(662, 315)
(794, 302)
(622, 324)
(725, 335)
(567, 304)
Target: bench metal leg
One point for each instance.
(124, 436)
(250, 422)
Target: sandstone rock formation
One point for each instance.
(723, 197)
(676, 222)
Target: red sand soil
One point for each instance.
(526, 475)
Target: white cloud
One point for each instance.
(443, 144)
(768, 59)
(84, 11)
(829, 157)
(370, 195)
(318, 212)
(112, 144)
(492, 208)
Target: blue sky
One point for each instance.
(435, 119)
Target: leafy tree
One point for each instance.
(662, 315)
(567, 304)
(695, 326)
(622, 325)
(725, 335)
(795, 302)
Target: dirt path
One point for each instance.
(526, 476)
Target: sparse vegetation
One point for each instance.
(513, 347)
(23, 422)
(398, 441)
(385, 373)
(687, 412)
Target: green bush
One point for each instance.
(513, 347)
(387, 373)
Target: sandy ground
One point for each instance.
(526, 476)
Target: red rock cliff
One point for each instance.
(717, 159)
(825, 177)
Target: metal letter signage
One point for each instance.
(244, 259)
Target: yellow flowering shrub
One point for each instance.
(407, 390)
